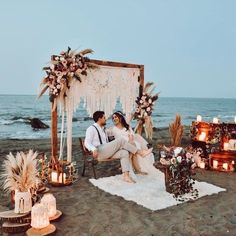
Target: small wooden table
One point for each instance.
(13, 222)
(223, 161)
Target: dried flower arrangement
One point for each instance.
(20, 172)
(179, 175)
(63, 69)
(176, 130)
(145, 105)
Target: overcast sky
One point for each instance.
(188, 47)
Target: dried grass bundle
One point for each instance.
(20, 172)
(176, 130)
(148, 127)
(139, 127)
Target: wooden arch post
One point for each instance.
(54, 139)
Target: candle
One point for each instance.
(49, 201)
(202, 136)
(39, 216)
(225, 166)
(202, 165)
(215, 120)
(226, 146)
(54, 178)
(199, 118)
(215, 164)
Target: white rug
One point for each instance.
(149, 191)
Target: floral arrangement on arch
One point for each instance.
(145, 105)
(179, 176)
(63, 68)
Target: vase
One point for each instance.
(23, 202)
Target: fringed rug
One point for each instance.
(149, 191)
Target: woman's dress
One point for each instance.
(145, 163)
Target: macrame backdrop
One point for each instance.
(100, 90)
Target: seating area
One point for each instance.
(88, 159)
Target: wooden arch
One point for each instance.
(54, 116)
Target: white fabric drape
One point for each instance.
(101, 89)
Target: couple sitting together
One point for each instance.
(126, 146)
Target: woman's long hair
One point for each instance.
(120, 115)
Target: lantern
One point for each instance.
(202, 165)
(49, 201)
(39, 216)
(58, 178)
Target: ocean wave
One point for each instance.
(15, 121)
(6, 122)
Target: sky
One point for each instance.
(188, 47)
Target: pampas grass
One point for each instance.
(148, 128)
(20, 172)
(176, 130)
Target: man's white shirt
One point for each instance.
(92, 139)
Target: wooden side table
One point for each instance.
(13, 222)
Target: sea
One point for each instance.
(16, 110)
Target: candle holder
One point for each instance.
(49, 201)
(222, 161)
(50, 229)
(39, 216)
(61, 174)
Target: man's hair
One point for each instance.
(97, 115)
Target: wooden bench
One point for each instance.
(89, 160)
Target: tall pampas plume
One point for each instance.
(176, 130)
(20, 172)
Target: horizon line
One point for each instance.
(3, 94)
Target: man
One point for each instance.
(96, 141)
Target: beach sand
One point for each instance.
(88, 210)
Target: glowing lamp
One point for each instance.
(215, 164)
(202, 165)
(202, 136)
(58, 179)
(39, 216)
(225, 166)
(226, 146)
(49, 201)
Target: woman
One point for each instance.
(142, 165)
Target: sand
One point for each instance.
(88, 210)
